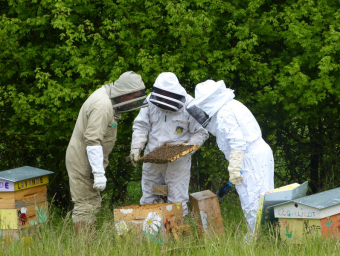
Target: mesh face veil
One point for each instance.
(129, 102)
(200, 116)
(210, 96)
(167, 100)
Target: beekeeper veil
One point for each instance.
(210, 96)
(127, 93)
(167, 93)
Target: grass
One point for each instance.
(57, 238)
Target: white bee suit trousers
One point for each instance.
(258, 177)
(237, 129)
(176, 175)
(158, 127)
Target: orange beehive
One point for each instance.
(207, 212)
(155, 220)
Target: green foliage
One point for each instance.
(281, 59)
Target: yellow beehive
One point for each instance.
(317, 215)
(276, 196)
(23, 199)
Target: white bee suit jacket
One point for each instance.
(236, 128)
(158, 127)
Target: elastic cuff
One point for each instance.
(99, 173)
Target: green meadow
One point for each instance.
(56, 238)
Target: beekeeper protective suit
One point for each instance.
(92, 140)
(239, 137)
(165, 121)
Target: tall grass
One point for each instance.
(57, 238)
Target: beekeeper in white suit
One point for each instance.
(239, 137)
(165, 121)
(92, 141)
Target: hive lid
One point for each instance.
(23, 173)
(320, 200)
(203, 195)
(289, 192)
(280, 195)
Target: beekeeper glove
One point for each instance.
(135, 155)
(96, 159)
(235, 165)
(99, 182)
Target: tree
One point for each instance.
(281, 59)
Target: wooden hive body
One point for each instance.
(156, 220)
(318, 215)
(277, 196)
(207, 212)
(23, 217)
(23, 200)
(295, 231)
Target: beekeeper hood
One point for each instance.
(127, 93)
(210, 96)
(167, 93)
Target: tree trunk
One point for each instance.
(314, 159)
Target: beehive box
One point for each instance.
(277, 196)
(153, 220)
(161, 190)
(168, 153)
(206, 209)
(23, 217)
(317, 215)
(23, 199)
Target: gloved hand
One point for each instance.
(135, 155)
(235, 165)
(235, 178)
(95, 156)
(99, 182)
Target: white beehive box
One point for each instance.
(317, 214)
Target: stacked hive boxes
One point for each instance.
(23, 199)
(317, 214)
